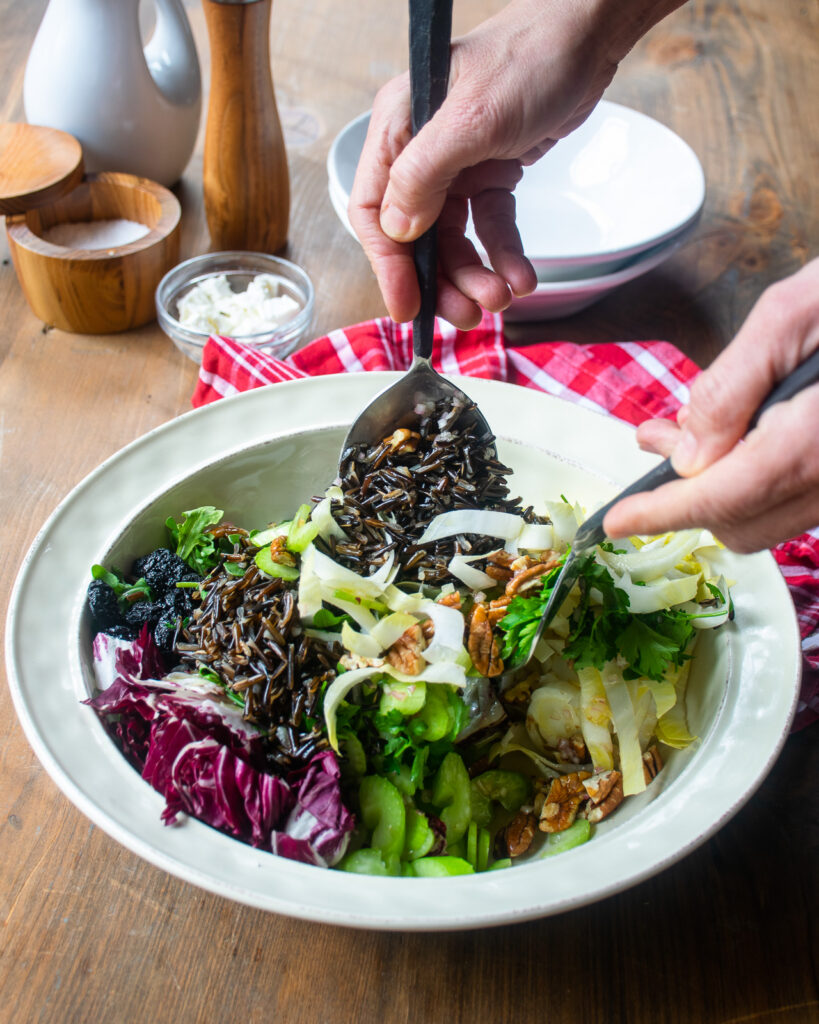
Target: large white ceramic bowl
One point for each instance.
(618, 185)
(259, 454)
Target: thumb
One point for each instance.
(423, 172)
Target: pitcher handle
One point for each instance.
(171, 55)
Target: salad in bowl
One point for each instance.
(351, 687)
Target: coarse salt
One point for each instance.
(95, 234)
(213, 307)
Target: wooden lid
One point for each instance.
(37, 166)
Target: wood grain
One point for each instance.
(245, 175)
(97, 291)
(726, 936)
(37, 166)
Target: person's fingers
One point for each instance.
(493, 214)
(391, 261)
(502, 174)
(765, 530)
(763, 490)
(781, 330)
(660, 436)
(461, 264)
(454, 307)
(457, 137)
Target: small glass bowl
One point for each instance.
(240, 268)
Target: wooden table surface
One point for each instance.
(93, 933)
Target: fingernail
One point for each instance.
(684, 456)
(395, 223)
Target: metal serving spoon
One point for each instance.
(421, 387)
(590, 533)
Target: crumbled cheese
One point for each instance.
(213, 306)
(95, 234)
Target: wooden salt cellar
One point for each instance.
(87, 291)
(246, 183)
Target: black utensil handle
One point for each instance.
(430, 30)
(591, 532)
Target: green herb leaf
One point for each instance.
(650, 643)
(326, 619)
(193, 543)
(126, 592)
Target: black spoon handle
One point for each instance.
(430, 30)
(591, 532)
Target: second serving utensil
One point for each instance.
(421, 387)
(591, 533)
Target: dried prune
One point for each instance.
(175, 607)
(142, 612)
(122, 632)
(103, 605)
(162, 570)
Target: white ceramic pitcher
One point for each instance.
(132, 109)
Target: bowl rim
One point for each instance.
(192, 336)
(21, 234)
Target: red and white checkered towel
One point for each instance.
(634, 381)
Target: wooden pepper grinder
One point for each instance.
(245, 178)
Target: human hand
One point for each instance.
(519, 82)
(759, 492)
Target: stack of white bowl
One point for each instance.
(605, 205)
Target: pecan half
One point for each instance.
(528, 577)
(403, 440)
(483, 648)
(502, 566)
(497, 609)
(405, 653)
(652, 763)
(279, 552)
(605, 792)
(451, 600)
(519, 833)
(562, 802)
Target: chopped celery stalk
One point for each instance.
(264, 561)
(419, 836)
(382, 811)
(472, 844)
(434, 720)
(511, 789)
(408, 698)
(500, 864)
(484, 842)
(481, 806)
(402, 780)
(441, 867)
(451, 795)
(478, 841)
(365, 862)
(457, 849)
(263, 537)
(575, 835)
(302, 530)
(364, 602)
(353, 758)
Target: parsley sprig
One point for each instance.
(650, 643)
